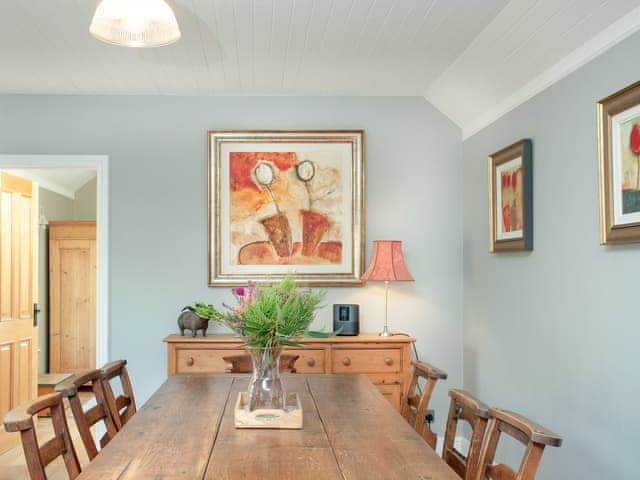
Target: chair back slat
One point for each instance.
(123, 406)
(122, 401)
(533, 436)
(242, 363)
(37, 458)
(500, 472)
(415, 405)
(458, 462)
(90, 381)
(465, 407)
(51, 449)
(97, 413)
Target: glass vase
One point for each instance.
(265, 388)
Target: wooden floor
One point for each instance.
(14, 467)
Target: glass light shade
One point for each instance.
(135, 23)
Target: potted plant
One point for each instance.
(268, 318)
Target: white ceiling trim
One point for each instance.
(609, 37)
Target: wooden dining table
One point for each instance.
(186, 431)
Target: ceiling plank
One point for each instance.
(210, 49)
(226, 28)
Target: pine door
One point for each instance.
(72, 296)
(18, 294)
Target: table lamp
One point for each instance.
(387, 265)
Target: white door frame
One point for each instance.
(101, 164)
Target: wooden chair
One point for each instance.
(91, 381)
(465, 407)
(38, 457)
(122, 407)
(242, 363)
(417, 404)
(533, 436)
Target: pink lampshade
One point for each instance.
(387, 263)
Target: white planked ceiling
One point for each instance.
(526, 46)
(466, 56)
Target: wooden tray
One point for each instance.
(289, 418)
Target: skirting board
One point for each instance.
(461, 444)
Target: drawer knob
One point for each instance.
(388, 361)
(346, 361)
(311, 362)
(190, 362)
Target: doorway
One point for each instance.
(67, 202)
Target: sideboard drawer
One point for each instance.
(203, 361)
(366, 361)
(310, 361)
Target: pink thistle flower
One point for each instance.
(238, 291)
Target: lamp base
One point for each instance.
(385, 332)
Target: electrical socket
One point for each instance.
(430, 417)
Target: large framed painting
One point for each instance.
(286, 203)
(619, 152)
(511, 198)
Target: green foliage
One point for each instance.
(280, 314)
(277, 316)
(203, 310)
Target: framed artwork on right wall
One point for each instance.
(619, 158)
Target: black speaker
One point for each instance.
(346, 319)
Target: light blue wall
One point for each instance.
(553, 333)
(86, 201)
(158, 204)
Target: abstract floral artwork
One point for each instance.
(628, 144)
(286, 203)
(619, 134)
(511, 198)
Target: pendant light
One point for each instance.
(135, 23)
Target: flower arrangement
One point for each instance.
(268, 316)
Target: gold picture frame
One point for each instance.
(619, 166)
(286, 202)
(511, 189)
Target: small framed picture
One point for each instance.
(511, 198)
(619, 157)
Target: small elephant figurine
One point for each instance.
(190, 321)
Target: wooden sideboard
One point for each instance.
(385, 360)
